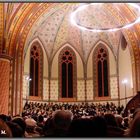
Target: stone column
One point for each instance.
(4, 83)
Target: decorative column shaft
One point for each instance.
(4, 83)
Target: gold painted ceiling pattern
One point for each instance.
(50, 23)
(55, 30)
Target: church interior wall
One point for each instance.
(54, 83)
(125, 72)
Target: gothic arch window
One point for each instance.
(36, 71)
(101, 71)
(67, 73)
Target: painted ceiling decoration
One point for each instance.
(85, 15)
(50, 23)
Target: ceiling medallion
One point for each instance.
(82, 27)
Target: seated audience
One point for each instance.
(70, 120)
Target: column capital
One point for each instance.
(5, 56)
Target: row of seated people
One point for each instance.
(77, 109)
(63, 122)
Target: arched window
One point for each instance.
(67, 73)
(36, 70)
(101, 71)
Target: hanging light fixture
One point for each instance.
(75, 22)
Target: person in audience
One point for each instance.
(30, 128)
(134, 130)
(21, 123)
(119, 120)
(3, 117)
(99, 126)
(5, 131)
(126, 122)
(110, 119)
(113, 130)
(137, 110)
(16, 129)
(40, 121)
(61, 121)
(82, 127)
(9, 118)
(48, 127)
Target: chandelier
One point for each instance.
(75, 22)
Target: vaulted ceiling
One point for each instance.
(50, 23)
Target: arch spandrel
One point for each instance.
(20, 28)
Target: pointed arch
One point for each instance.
(101, 71)
(38, 41)
(67, 73)
(36, 70)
